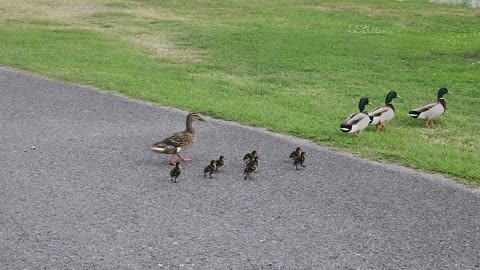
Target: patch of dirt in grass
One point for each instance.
(87, 14)
(162, 47)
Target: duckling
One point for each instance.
(255, 161)
(249, 157)
(175, 172)
(432, 110)
(358, 121)
(210, 169)
(299, 160)
(296, 153)
(219, 163)
(248, 171)
(382, 115)
(178, 141)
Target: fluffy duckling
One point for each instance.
(219, 163)
(210, 168)
(249, 156)
(382, 115)
(255, 162)
(299, 160)
(432, 110)
(296, 153)
(175, 172)
(178, 141)
(358, 121)
(248, 171)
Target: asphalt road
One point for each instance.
(79, 189)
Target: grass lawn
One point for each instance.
(297, 67)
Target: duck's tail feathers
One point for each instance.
(371, 119)
(345, 127)
(157, 148)
(413, 114)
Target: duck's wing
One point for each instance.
(416, 112)
(170, 145)
(355, 118)
(378, 111)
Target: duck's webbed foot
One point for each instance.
(172, 160)
(183, 158)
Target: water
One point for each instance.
(471, 3)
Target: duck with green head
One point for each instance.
(358, 121)
(431, 110)
(382, 115)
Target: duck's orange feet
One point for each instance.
(184, 158)
(172, 160)
(357, 134)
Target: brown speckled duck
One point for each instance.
(179, 141)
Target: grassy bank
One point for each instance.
(292, 66)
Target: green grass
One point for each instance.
(297, 67)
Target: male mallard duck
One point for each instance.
(219, 163)
(296, 153)
(432, 110)
(210, 169)
(299, 160)
(179, 141)
(249, 156)
(248, 171)
(175, 172)
(357, 122)
(382, 115)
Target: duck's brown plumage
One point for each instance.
(180, 140)
(210, 169)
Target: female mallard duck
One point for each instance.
(175, 172)
(295, 154)
(432, 110)
(249, 156)
(179, 141)
(299, 160)
(219, 163)
(210, 168)
(357, 122)
(382, 115)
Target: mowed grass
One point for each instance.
(297, 67)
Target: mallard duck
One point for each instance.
(358, 121)
(210, 169)
(219, 163)
(432, 110)
(299, 160)
(249, 156)
(296, 153)
(248, 171)
(255, 161)
(382, 115)
(179, 141)
(175, 172)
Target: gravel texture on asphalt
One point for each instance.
(80, 189)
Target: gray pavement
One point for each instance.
(79, 189)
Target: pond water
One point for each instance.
(471, 3)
